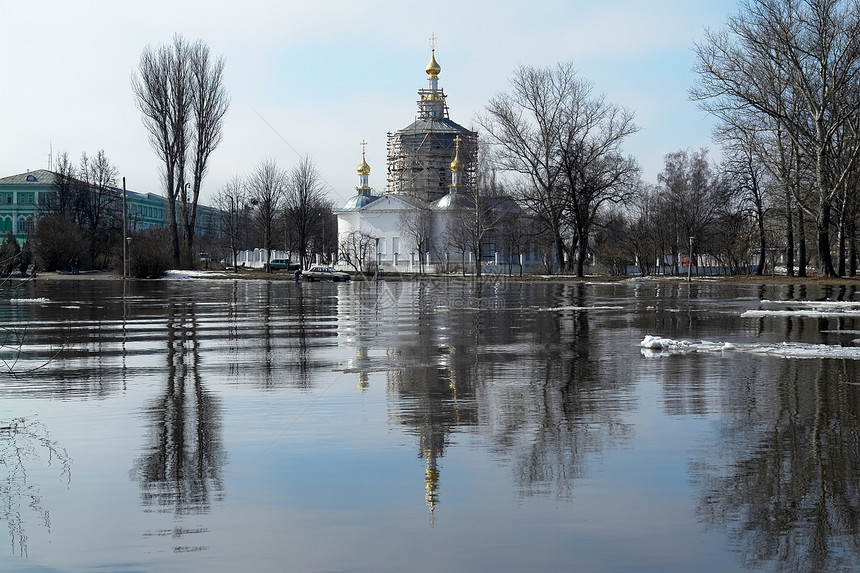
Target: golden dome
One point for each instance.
(457, 165)
(433, 68)
(363, 167)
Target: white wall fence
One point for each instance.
(410, 263)
(498, 264)
(256, 258)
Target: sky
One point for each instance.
(317, 78)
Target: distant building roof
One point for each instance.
(358, 201)
(37, 177)
(433, 125)
(453, 200)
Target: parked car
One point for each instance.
(283, 265)
(325, 274)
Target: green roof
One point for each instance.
(37, 177)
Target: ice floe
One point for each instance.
(578, 308)
(806, 308)
(655, 346)
(190, 274)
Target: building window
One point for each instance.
(25, 225)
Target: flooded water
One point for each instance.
(213, 425)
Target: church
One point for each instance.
(432, 166)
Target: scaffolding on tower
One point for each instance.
(420, 155)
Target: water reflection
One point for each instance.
(180, 470)
(533, 379)
(564, 396)
(784, 478)
(536, 392)
(25, 447)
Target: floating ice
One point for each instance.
(29, 300)
(807, 308)
(557, 308)
(655, 346)
(181, 275)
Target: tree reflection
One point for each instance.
(528, 377)
(570, 404)
(180, 470)
(283, 332)
(785, 484)
(26, 445)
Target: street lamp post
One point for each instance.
(124, 233)
(127, 245)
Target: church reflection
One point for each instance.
(180, 469)
(527, 377)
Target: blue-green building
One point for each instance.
(20, 196)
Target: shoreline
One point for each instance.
(277, 276)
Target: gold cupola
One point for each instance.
(433, 68)
(363, 167)
(456, 165)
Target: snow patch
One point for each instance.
(183, 275)
(655, 346)
(557, 308)
(807, 309)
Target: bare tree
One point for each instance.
(98, 202)
(514, 234)
(209, 104)
(63, 198)
(357, 248)
(179, 91)
(457, 236)
(267, 186)
(83, 196)
(567, 143)
(595, 172)
(417, 224)
(694, 196)
(474, 212)
(797, 62)
(231, 200)
(743, 164)
(489, 204)
(524, 125)
(304, 206)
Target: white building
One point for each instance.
(431, 166)
(423, 219)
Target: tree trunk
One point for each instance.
(789, 235)
(825, 261)
(581, 254)
(852, 254)
(841, 234)
(801, 247)
(762, 241)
